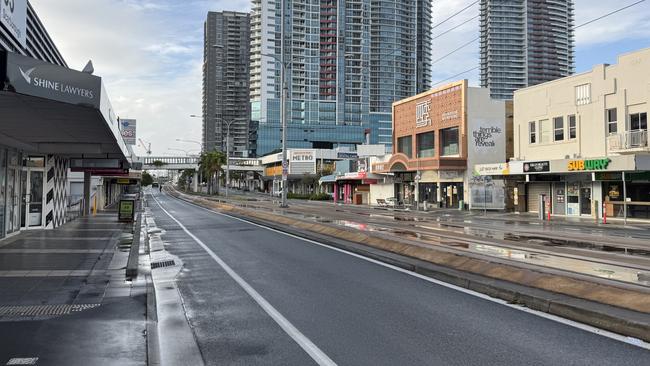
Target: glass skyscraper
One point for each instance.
(524, 43)
(349, 61)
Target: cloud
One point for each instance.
(168, 49)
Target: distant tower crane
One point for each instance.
(146, 146)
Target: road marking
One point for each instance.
(314, 352)
(588, 328)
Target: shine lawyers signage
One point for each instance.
(13, 16)
(41, 79)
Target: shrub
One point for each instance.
(320, 197)
(297, 196)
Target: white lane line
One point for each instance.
(588, 328)
(314, 352)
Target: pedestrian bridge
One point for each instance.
(192, 162)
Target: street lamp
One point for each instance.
(228, 124)
(283, 118)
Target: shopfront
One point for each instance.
(579, 187)
(354, 188)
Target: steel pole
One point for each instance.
(283, 115)
(227, 156)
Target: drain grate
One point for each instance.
(161, 264)
(44, 310)
(22, 361)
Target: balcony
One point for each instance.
(629, 142)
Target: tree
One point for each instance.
(184, 179)
(158, 163)
(147, 179)
(210, 164)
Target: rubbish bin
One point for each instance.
(425, 206)
(461, 205)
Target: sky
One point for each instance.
(149, 53)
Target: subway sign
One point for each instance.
(591, 164)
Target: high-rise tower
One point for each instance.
(226, 72)
(347, 62)
(524, 43)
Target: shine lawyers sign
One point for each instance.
(41, 79)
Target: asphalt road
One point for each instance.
(353, 311)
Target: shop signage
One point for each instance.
(537, 166)
(303, 156)
(128, 129)
(422, 118)
(492, 169)
(126, 211)
(346, 155)
(450, 174)
(591, 164)
(41, 79)
(13, 15)
(446, 116)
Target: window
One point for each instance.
(449, 141)
(612, 124)
(573, 129)
(583, 94)
(558, 129)
(425, 144)
(545, 131)
(638, 121)
(405, 145)
(532, 132)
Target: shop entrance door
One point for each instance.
(13, 197)
(585, 201)
(32, 198)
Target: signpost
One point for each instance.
(126, 210)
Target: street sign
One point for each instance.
(285, 173)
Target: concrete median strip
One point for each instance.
(620, 309)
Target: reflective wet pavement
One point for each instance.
(620, 260)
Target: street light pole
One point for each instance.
(283, 102)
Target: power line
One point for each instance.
(458, 12)
(458, 26)
(608, 14)
(456, 50)
(454, 76)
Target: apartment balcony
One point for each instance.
(629, 142)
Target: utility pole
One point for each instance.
(283, 112)
(228, 124)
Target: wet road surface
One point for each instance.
(356, 312)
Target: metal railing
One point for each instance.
(637, 139)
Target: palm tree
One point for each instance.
(210, 164)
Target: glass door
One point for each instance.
(13, 196)
(585, 201)
(32, 198)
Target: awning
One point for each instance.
(49, 109)
(327, 179)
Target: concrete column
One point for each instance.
(87, 180)
(195, 181)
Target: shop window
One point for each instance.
(638, 121)
(426, 144)
(612, 124)
(573, 129)
(449, 141)
(405, 145)
(558, 129)
(532, 133)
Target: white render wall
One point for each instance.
(624, 86)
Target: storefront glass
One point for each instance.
(573, 198)
(13, 192)
(3, 190)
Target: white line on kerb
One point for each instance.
(555, 318)
(314, 352)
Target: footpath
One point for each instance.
(65, 298)
(617, 306)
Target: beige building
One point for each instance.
(583, 140)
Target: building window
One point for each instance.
(612, 124)
(425, 144)
(405, 145)
(558, 129)
(573, 129)
(583, 94)
(638, 121)
(532, 132)
(449, 141)
(545, 131)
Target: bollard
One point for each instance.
(604, 213)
